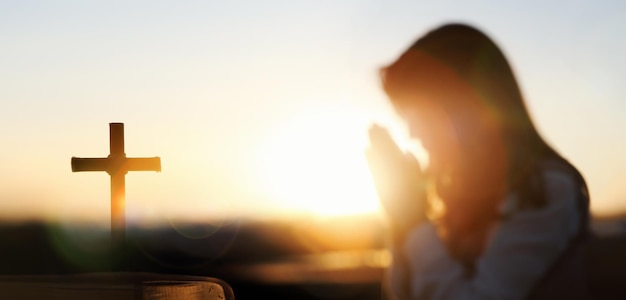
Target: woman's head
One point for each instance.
(458, 94)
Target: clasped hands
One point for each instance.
(399, 181)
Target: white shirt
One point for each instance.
(521, 249)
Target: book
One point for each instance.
(110, 286)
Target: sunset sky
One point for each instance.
(261, 108)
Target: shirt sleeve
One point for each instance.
(521, 250)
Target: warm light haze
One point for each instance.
(261, 108)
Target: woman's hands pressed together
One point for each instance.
(399, 182)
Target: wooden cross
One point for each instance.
(117, 165)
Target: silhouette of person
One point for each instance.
(498, 213)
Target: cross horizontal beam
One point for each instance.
(107, 164)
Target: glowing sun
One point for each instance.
(315, 162)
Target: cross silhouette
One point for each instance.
(117, 165)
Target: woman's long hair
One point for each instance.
(469, 55)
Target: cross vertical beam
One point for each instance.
(117, 165)
(117, 157)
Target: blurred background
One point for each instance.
(259, 111)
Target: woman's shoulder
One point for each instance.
(558, 183)
(560, 170)
(560, 178)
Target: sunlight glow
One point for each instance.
(315, 162)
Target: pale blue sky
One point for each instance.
(210, 87)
